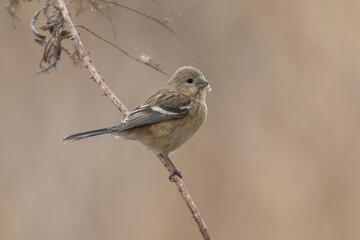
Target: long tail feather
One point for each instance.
(88, 134)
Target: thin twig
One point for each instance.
(88, 64)
(167, 7)
(155, 20)
(121, 50)
(188, 200)
(94, 6)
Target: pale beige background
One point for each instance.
(278, 158)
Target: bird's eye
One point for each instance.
(189, 80)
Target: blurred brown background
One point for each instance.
(277, 159)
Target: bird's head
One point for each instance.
(190, 82)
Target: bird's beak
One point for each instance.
(203, 83)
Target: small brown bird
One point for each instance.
(168, 118)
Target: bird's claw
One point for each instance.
(174, 172)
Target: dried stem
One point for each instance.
(96, 76)
(155, 67)
(93, 5)
(167, 7)
(187, 198)
(155, 20)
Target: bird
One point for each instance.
(169, 117)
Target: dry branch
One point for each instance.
(167, 7)
(97, 9)
(53, 45)
(95, 74)
(155, 20)
(155, 67)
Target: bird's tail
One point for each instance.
(88, 134)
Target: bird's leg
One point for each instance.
(173, 170)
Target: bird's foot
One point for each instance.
(174, 172)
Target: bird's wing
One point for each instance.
(174, 107)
